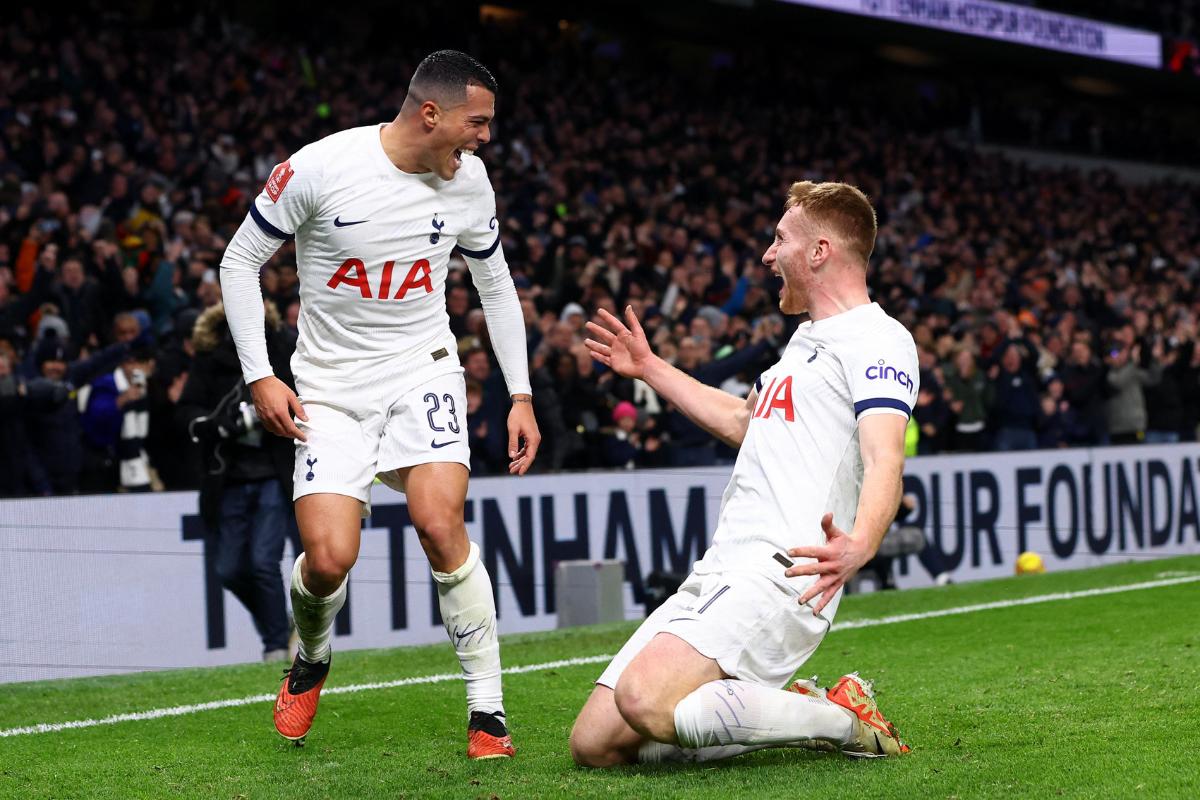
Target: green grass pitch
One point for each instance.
(1092, 697)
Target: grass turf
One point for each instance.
(1087, 697)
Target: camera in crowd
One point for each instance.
(234, 418)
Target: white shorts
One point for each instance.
(755, 629)
(423, 422)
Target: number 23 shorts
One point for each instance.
(423, 421)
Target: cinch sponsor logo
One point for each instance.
(882, 371)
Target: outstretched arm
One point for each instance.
(622, 346)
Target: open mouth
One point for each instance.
(456, 158)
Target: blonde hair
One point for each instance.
(841, 207)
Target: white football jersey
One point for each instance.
(373, 245)
(800, 458)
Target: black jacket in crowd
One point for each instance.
(210, 409)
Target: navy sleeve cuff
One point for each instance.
(267, 227)
(480, 254)
(881, 402)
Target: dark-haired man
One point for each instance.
(816, 484)
(376, 212)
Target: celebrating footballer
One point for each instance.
(817, 481)
(375, 213)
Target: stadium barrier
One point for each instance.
(119, 583)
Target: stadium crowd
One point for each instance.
(1051, 308)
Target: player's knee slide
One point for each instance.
(461, 573)
(594, 755)
(639, 706)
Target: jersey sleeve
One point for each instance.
(289, 197)
(480, 237)
(479, 242)
(241, 292)
(883, 373)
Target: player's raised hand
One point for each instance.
(275, 404)
(523, 438)
(621, 347)
(836, 562)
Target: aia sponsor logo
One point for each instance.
(778, 394)
(279, 180)
(881, 371)
(353, 273)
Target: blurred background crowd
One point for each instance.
(1053, 306)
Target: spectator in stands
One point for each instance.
(246, 497)
(493, 403)
(1058, 423)
(1085, 387)
(1014, 400)
(1127, 381)
(628, 444)
(1167, 400)
(487, 436)
(933, 417)
(577, 385)
(110, 207)
(689, 446)
(458, 303)
(79, 300)
(176, 458)
(966, 395)
(17, 306)
(55, 435)
(116, 420)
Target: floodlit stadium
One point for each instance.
(677, 399)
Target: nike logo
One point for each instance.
(337, 222)
(472, 632)
(436, 444)
(282, 705)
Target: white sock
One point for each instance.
(653, 752)
(314, 616)
(737, 712)
(469, 611)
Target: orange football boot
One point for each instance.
(809, 688)
(873, 736)
(487, 736)
(296, 704)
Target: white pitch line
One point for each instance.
(176, 711)
(1019, 601)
